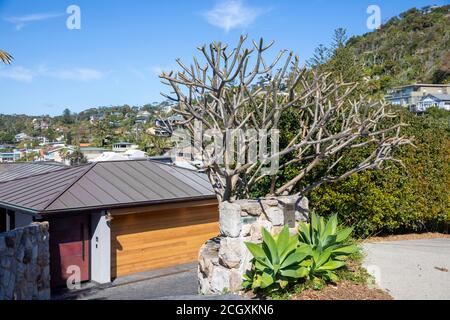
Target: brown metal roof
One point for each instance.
(12, 171)
(105, 185)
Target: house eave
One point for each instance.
(46, 213)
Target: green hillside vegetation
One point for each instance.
(115, 123)
(413, 47)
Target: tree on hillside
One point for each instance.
(222, 95)
(67, 116)
(75, 158)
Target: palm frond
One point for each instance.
(5, 57)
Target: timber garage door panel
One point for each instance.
(144, 241)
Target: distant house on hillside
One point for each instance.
(92, 152)
(40, 124)
(97, 117)
(142, 116)
(114, 156)
(433, 100)
(59, 154)
(11, 156)
(410, 96)
(22, 137)
(123, 146)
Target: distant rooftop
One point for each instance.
(423, 85)
(442, 97)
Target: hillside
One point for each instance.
(412, 47)
(91, 125)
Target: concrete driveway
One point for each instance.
(411, 269)
(174, 283)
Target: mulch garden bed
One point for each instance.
(411, 236)
(343, 290)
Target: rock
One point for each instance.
(20, 253)
(2, 245)
(230, 252)
(275, 215)
(235, 280)
(208, 257)
(276, 230)
(224, 260)
(10, 241)
(245, 231)
(272, 202)
(256, 230)
(27, 256)
(252, 207)
(20, 275)
(220, 280)
(5, 262)
(44, 294)
(230, 219)
(302, 210)
(203, 283)
(5, 278)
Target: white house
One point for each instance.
(22, 137)
(131, 154)
(433, 100)
(123, 146)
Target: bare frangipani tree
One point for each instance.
(228, 92)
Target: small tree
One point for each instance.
(225, 93)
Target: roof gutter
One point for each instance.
(35, 213)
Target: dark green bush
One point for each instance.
(414, 198)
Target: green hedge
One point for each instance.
(398, 200)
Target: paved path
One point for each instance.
(410, 269)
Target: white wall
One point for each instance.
(100, 248)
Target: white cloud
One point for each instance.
(79, 74)
(17, 74)
(22, 21)
(230, 14)
(22, 74)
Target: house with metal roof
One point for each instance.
(433, 100)
(411, 95)
(116, 218)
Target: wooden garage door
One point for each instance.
(149, 240)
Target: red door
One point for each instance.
(69, 248)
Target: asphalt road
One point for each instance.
(411, 269)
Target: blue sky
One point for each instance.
(122, 45)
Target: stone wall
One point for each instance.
(25, 263)
(224, 260)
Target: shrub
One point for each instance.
(326, 245)
(315, 254)
(276, 262)
(410, 199)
